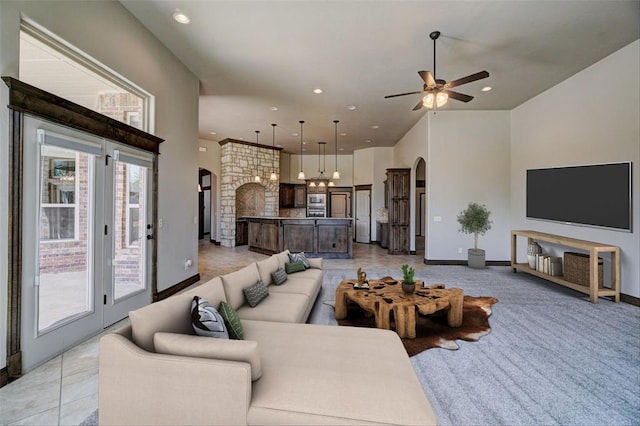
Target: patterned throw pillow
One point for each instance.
(206, 320)
(255, 293)
(231, 320)
(292, 267)
(279, 276)
(300, 257)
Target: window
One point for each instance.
(51, 65)
(134, 185)
(59, 216)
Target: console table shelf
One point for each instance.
(595, 289)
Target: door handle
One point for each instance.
(149, 237)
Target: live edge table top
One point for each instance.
(386, 295)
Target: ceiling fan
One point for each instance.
(437, 90)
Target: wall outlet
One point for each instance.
(437, 218)
(459, 249)
(187, 264)
(160, 223)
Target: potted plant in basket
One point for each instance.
(475, 220)
(408, 285)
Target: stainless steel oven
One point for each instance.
(316, 200)
(316, 212)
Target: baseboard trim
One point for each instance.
(464, 262)
(217, 243)
(632, 300)
(412, 252)
(161, 295)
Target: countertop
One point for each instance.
(294, 218)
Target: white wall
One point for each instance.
(592, 117)
(129, 49)
(468, 161)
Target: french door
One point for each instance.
(86, 256)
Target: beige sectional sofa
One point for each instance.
(157, 371)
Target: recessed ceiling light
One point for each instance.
(317, 91)
(181, 17)
(351, 107)
(273, 108)
(341, 149)
(202, 148)
(241, 139)
(343, 134)
(486, 88)
(368, 141)
(279, 145)
(375, 127)
(295, 134)
(212, 133)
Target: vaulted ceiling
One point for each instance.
(255, 56)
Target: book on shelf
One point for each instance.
(551, 265)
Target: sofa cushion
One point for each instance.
(299, 257)
(279, 276)
(335, 376)
(235, 282)
(255, 293)
(202, 347)
(315, 262)
(293, 267)
(206, 319)
(298, 285)
(232, 321)
(279, 307)
(212, 291)
(266, 267)
(170, 315)
(283, 257)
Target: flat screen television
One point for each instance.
(592, 195)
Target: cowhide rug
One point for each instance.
(432, 331)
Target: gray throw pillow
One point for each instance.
(206, 319)
(299, 257)
(279, 276)
(255, 293)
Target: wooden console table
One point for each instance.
(595, 289)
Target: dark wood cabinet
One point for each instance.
(300, 196)
(242, 233)
(286, 195)
(398, 191)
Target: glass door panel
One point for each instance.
(65, 237)
(129, 251)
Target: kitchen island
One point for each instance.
(330, 238)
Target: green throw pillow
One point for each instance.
(231, 319)
(292, 267)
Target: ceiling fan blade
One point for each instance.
(418, 106)
(468, 79)
(403, 94)
(458, 96)
(428, 79)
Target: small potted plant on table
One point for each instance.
(475, 220)
(408, 285)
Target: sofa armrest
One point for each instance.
(140, 387)
(315, 262)
(210, 348)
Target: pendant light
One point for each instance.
(257, 179)
(301, 174)
(336, 173)
(274, 176)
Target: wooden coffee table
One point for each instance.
(382, 297)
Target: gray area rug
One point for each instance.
(552, 357)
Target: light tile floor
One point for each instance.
(64, 390)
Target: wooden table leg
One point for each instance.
(454, 316)
(382, 316)
(405, 317)
(341, 303)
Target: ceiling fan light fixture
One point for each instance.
(441, 99)
(428, 100)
